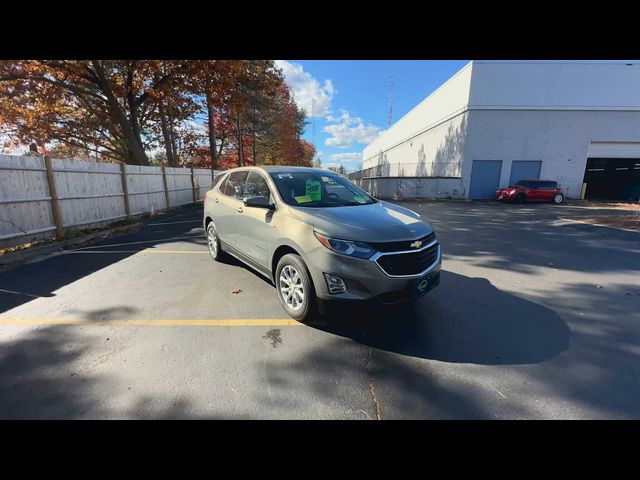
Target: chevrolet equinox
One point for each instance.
(319, 237)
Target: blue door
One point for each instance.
(521, 170)
(485, 178)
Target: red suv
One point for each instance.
(532, 190)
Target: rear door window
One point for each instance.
(234, 187)
(217, 181)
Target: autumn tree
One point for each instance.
(308, 153)
(252, 102)
(179, 112)
(104, 106)
(212, 83)
(172, 108)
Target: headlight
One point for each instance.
(511, 192)
(346, 247)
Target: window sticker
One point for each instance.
(313, 189)
(303, 199)
(360, 199)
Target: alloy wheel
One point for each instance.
(212, 241)
(291, 288)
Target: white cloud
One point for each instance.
(305, 88)
(341, 157)
(347, 130)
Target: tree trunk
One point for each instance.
(253, 145)
(212, 131)
(166, 136)
(239, 138)
(172, 137)
(135, 151)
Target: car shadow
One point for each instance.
(464, 320)
(234, 262)
(41, 279)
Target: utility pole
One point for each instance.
(391, 88)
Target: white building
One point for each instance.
(494, 123)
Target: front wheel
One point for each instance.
(521, 198)
(213, 242)
(558, 199)
(295, 289)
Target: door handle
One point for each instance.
(239, 209)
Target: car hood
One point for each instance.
(377, 222)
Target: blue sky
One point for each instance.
(350, 110)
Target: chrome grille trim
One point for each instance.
(377, 255)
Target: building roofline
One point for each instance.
(558, 62)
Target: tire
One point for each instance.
(557, 199)
(291, 272)
(521, 198)
(213, 243)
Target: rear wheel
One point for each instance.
(521, 198)
(558, 199)
(294, 287)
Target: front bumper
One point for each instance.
(504, 196)
(364, 278)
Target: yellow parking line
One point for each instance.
(273, 322)
(150, 250)
(146, 250)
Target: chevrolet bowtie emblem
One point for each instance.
(416, 244)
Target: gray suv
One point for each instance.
(319, 237)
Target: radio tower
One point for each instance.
(391, 88)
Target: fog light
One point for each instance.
(335, 284)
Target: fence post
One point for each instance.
(53, 192)
(166, 186)
(125, 190)
(193, 186)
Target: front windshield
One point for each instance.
(318, 189)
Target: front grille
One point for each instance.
(400, 246)
(411, 263)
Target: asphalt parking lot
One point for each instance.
(535, 317)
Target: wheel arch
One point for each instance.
(280, 252)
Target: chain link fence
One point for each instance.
(400, 170)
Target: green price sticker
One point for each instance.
(313, 190)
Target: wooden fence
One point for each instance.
(41, 197)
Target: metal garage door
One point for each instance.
(485, 178)
(524, 170)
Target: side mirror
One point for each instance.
(259, 202)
